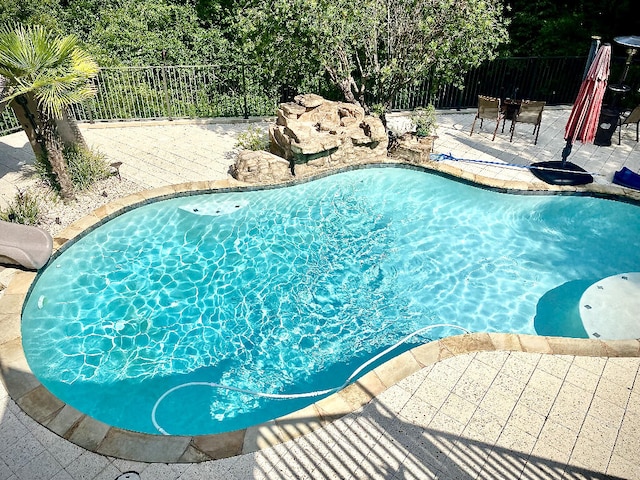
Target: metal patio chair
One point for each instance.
(529, 112)
(491, 109)
(627, 118)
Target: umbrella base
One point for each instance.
(607, 125)
(559, 173)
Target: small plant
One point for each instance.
(24, 209)
(85, 167)
(253, 138)
(378, 109)
(424, 120)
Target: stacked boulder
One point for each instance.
(313, 135)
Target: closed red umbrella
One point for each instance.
(583, 120)
(582, 124)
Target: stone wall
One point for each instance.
(261, 168)
(412, 149)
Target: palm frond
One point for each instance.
(54, 68)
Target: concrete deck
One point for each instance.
(488, 406)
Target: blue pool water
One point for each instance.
(290, 290)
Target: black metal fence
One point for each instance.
(168, 92)
(554, 80)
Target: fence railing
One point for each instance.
(8, 121)
(554, 80)
(136, 93)
(169, 92)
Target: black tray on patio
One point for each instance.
(558, 173)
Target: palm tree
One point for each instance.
(45, 74)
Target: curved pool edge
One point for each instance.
(37, 402)
(62, 419)
(450, 170)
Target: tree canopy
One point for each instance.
(552, 28)
(192, 31)
(365, 48)
(372, 48)
(151, 32)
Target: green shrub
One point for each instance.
(85, 167)
(378, 109)
(425, 121)
(253, 138)
(24, 209)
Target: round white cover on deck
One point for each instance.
(610, 308)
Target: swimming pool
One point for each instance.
(290, 290)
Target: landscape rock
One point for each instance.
(413, 149)
(312, 135)
(261, 167)
(309, 100)
(292, 110)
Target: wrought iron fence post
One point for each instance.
(167, 100)
(244, 93)
(90, 112)
(92, 101)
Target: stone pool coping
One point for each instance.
(36, 401)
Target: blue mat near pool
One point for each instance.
(627, 178)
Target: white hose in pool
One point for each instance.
(290, 396)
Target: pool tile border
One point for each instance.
(36, 401)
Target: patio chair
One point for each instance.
(489, 108)
(632, 116)
(529, 112)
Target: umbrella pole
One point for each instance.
(566, 151)
(595, 45)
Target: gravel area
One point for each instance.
(58, 215)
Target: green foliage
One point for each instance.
(146, 32)
(24, 209)
(378, 109)
(424, 120)
(135, 32)
(253, 138)
(372, 47)
(550, 28)
(35, 60)
(85, 168)
(41, 12)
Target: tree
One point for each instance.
(41, 12)
(143, 32)
(45, 74)
(552, 28)
(373, 48)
